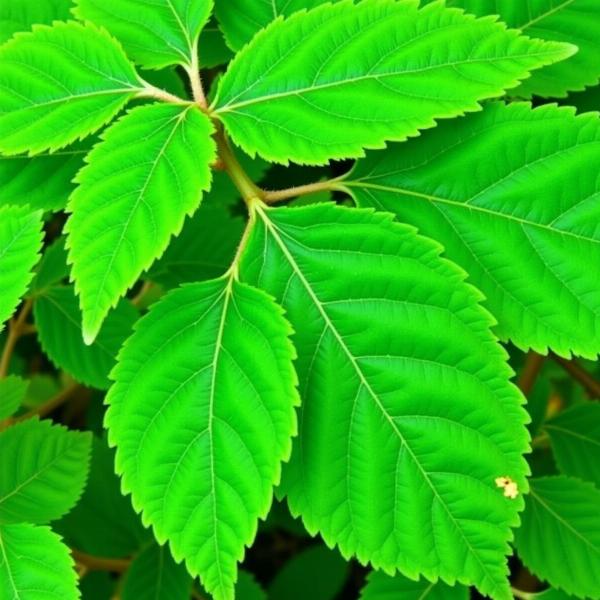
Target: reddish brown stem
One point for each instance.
(577, 372)
(96, 563)
(531, 370)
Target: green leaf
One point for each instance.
(44, 473)
(561, 517)
(12, 393)
(154, 575)
(59, 84)
(512, 194)
(58, 319)
(344, 77)
(202, 413)
(52, 269)
(97, 585)
(20, 15)
(407, 412)
(317, 573)
(20, 243)
(575, 438)
(155, 33)
(383, 587)
(132, 198)
(246, 588)
(35, 564)
(573, 21)
(213, 49)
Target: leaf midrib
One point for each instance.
(8, 568)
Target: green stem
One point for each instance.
(302, 190)
(150, 91)
(522, 595)
(193, 72)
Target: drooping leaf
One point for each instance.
(59, 84)
(154, 575)
(573, 21)
(52, 268)
(44, 471)
(407, 416)
(141, 181)
(21, 15)
(202, 414)
(35, 564)
(562, 518)
(20, 243)
(155, 33)
(340, 78)
(380, 586)
(58, 319)
(575, 438)
(512, 194)
(12, 392)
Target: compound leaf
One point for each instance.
(575, 438)
(34, 564)
(141, 182)
(202, 414)
(44, 472)
(561, 516)
(59, 84)
(155, 33)
(20, 244)
(20, 15)
(12, 393)
(512, 194)
(407, 416)
(383, 587)
(340, 78)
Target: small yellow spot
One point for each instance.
(511, 489)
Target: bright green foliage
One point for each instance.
(44, 469)
(396, 361)
(317, 86)
(575, 438)
(20, 243)
(58, 319)
(12, 392)
(132, 198)
(35, 564)
(155, 33)
(512, 194)
(52, 268)
(202, 414)
(383, 587)
(573, 21)
(49, 97)
(559, 537)
(20, 15)
(154, 575)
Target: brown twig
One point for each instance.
(51, 405)
(15, 330)
(577, 372)
(96, 563)
(531, 370)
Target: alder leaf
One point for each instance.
(59, 84)
(12, 393)
(561, 517)
(44, 472)
(20, 244)
(340, 78)
(34, 564)
(512, 194)
(575, 438)
(20, 15)
(155, 33)
(407, 416)
(142, 180)
(383, 587)
(202, 414)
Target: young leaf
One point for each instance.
(58, 319)
(574, 21)
(12, 392)
(561, 517)
(20, 15)
(155, 33)
(59, 84)
(34, 564)
(154, 575)
(383, 587)
(340, 78)
(141, 181)
(202, 414)
(407, 416)
(512, 194)
(44, 473)
(575, 438)
(20, 243)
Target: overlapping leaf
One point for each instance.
(59, 84)
(383, 587)
(512, 194)
(12, 392)
(407, 413)
(202, 413)
(156, 33)
(52, 268)
(20, 15)
(340, 78)
(141, 182)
